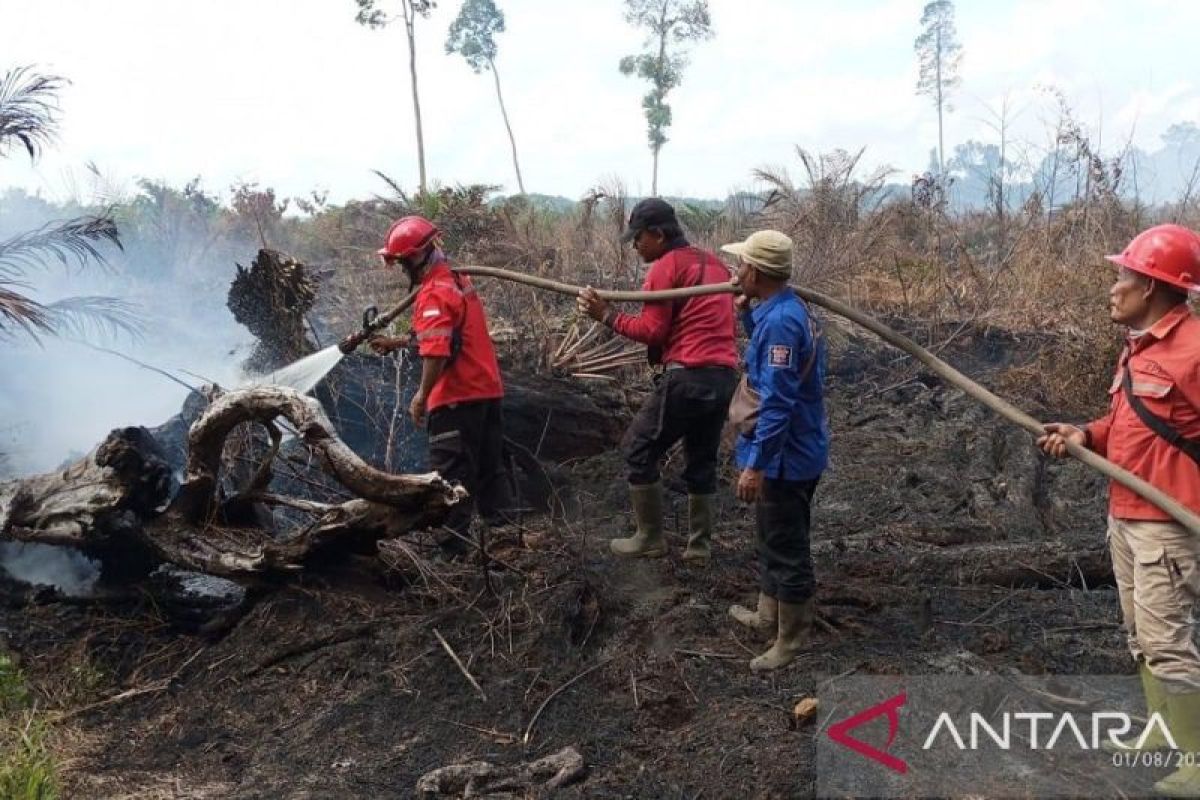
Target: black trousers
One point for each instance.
(689, 404)
(785, 564)
(466, 445)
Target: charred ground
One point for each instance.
(943, 543)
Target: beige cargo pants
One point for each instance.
(1157, 568)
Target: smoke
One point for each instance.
(68, 571)
(65, 395)
(60, 397)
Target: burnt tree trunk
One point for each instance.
(102, 497)
(122, 494)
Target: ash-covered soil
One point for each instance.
(943, 542)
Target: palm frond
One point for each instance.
(780, 188)
(399, 203)
(28, 109)
(17, 311)
(72, 242)
(82, 317)
(397, 190)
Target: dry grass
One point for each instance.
(1036, 271)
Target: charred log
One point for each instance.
(120, 498)
(196, 532)
(482, 778)
(98, 499)
(197, 501)
(560, 420)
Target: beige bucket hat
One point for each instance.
(770, 252)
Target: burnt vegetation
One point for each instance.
(271, 619)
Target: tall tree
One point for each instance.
(473, 36)
(369, 14)
(939, 55)
(669, 24)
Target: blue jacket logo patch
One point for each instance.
(779, 355)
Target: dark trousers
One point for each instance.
(784, 548)
(689, 404)
(466, 445)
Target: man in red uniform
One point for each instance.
(1152, 429)
(461, 390)
(695, 340)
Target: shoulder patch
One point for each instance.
(1152, 367)
(779, 355)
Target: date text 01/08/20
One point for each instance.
(1174, 759)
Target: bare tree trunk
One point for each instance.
(940, 104)
(663, 30)
(1189, 192)
(1053, 189)
(654, 181)
(410, 21)
(512, 139)
(997, 179)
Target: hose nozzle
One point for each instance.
(370, 325)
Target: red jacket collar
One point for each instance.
(1169, 321)
(1159, 330)
(441, 269)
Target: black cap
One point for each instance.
(649, 213)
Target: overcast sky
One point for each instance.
(295, 95)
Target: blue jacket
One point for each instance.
(791, 441)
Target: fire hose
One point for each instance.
(372, 323)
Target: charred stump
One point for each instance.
(271, 299)
(561, 419)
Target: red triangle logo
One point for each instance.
(840, 733)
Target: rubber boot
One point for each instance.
(1183, 715)
(1156, 703)
(795, 626)
(764, 618)
(702, 514)
(648, 542)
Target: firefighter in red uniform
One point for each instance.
(460, 394)
(1152, 429)
(695, 340)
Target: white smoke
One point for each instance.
(68, 571)
(64, 396)
(60, 396)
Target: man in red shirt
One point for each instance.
(695, 340)
(460, 392)
(1152, 429)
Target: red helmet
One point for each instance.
(408, 235)
(1169, 253)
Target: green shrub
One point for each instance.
(13, 694)
(27, 769)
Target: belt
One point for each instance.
(670, 365)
